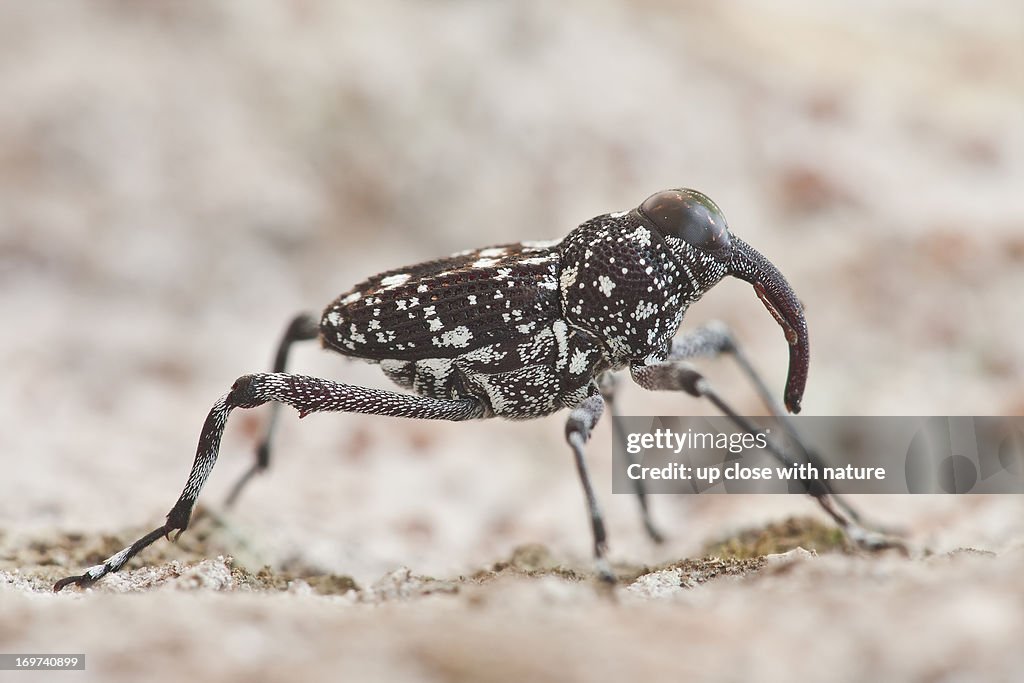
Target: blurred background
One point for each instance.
(177, 179)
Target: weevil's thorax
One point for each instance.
(629, 286)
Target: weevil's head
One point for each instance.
(696, 232)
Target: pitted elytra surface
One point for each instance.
(486, 323)
(445, 307)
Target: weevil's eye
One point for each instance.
(687, 215)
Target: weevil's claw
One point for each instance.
(875, 541)
(170, 529)
(80, 581)
(605, 573)
(91, 576)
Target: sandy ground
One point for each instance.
(178, 179)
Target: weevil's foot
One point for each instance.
(91, 576)
(885, 529)
(875, 541)
(653, 533)
(604, 572)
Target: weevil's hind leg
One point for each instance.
(578, 427)
(608, 383)
(305, 394)
(303, 327)
(715, 339)
(678, 376)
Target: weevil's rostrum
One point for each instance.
(519, 331)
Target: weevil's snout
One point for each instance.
(780, 300)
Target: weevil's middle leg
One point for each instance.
(578, 427)
(303, 327)
(607, 383)
(305, 394)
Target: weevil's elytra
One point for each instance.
(520, 331)
(486, 323)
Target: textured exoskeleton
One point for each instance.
(525, 328)
(520, 331)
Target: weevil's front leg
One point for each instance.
(578, 427)
(608, 383)
(303, 327)
(715, 339)
(305, 394)
(677, 376)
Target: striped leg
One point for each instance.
(305, 394)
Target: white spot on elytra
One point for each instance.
(484, 262)
(352, 298)
(493, 251)
(435, 324)
(472, 299)
(459, 337)
(605, 284)
(394, 280)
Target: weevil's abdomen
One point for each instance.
(448, 307)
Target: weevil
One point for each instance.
(520, 331)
